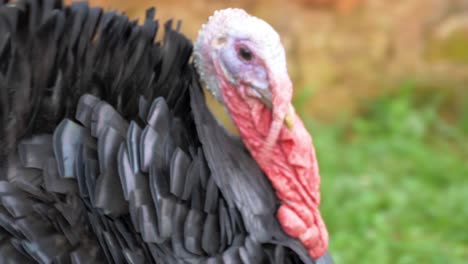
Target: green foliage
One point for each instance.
(395, 182)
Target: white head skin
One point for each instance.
(242, 48)
(249, 55)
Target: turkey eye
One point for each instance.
(245, 54)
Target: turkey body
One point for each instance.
(110, 155)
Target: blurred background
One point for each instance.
(383, 88)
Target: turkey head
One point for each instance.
(241, 60)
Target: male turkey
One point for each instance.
(109, 153)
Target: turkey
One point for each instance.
(109, 153)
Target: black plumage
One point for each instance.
(109, 153)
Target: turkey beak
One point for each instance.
(289, 118)
(265, 96)
(281, 110)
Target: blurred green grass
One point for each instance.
(395, 180)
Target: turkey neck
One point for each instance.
(290, 164)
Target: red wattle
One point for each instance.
(291, 165)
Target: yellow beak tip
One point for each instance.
(289, 121)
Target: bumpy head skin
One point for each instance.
(226, 38)
(242, 62)
(247, 53)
